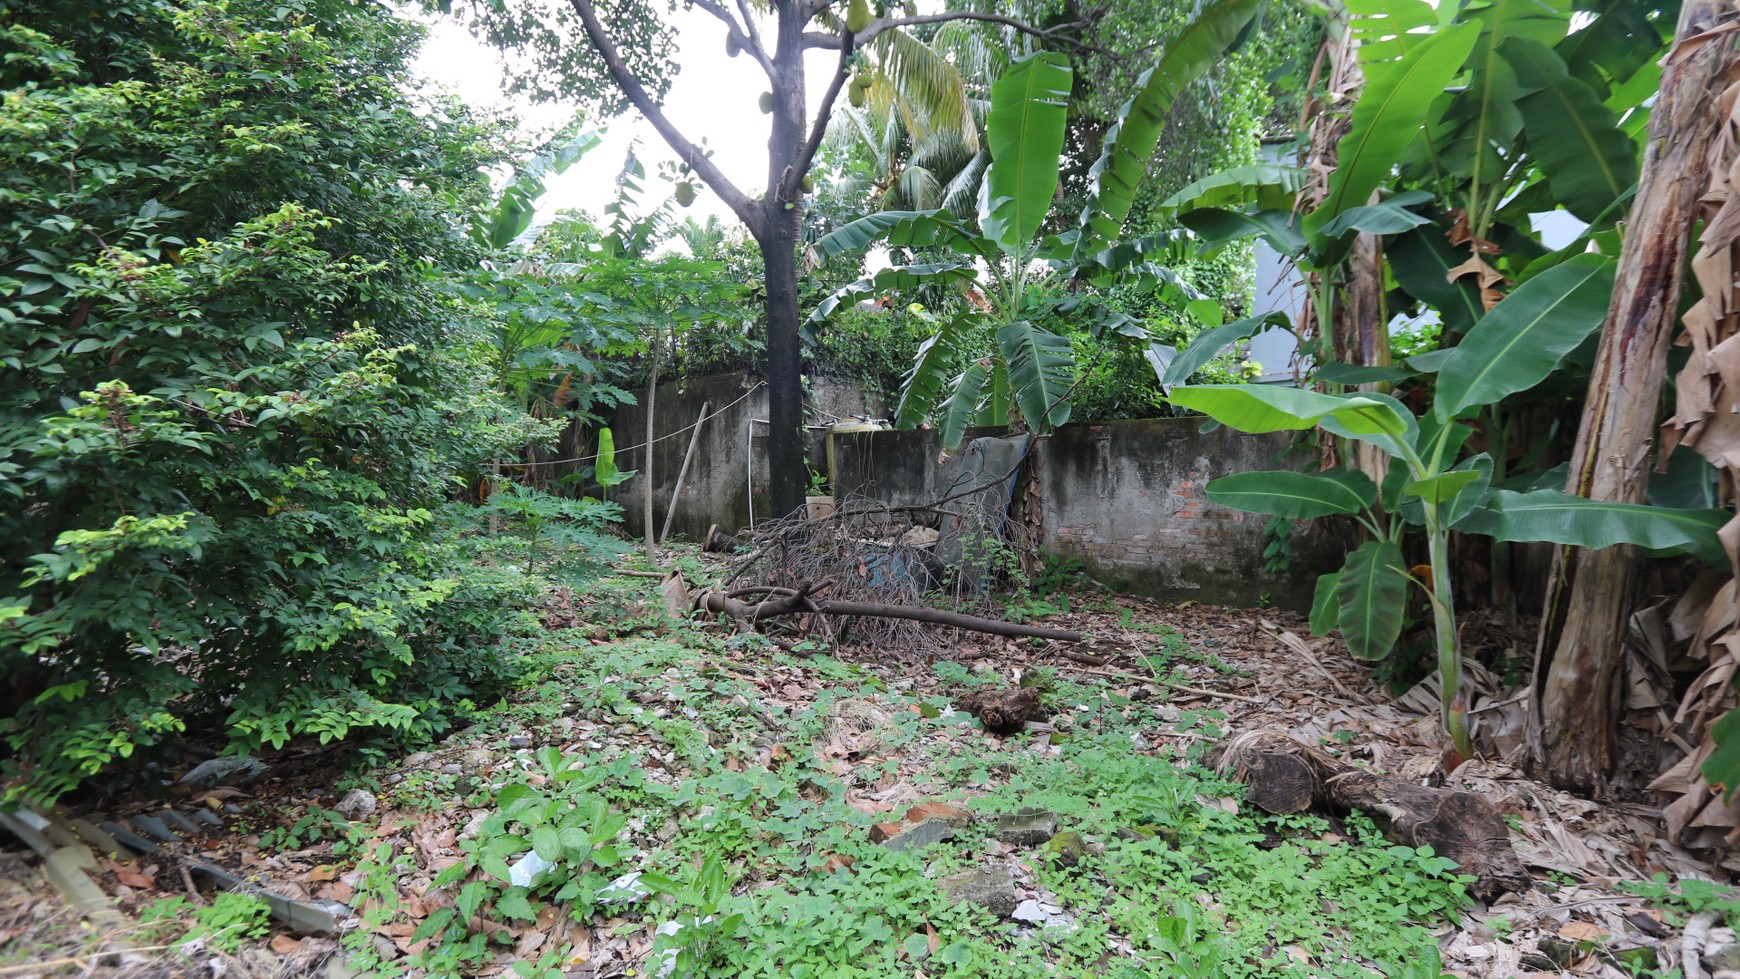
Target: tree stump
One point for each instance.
(1286, 776)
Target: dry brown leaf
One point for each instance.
(1582, 931)
(283, 944)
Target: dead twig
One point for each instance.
(1168, 684)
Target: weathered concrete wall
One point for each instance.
(716, 490)
(1126, 498)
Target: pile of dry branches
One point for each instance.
(874, 573)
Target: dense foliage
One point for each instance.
(233, 409)
(1464, 130)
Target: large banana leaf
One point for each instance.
(889, 280)
(1325, 604)
(1371, 598)
(1538, 20)
(1041, 372)
(1207, 345)
(1216, 226)
(1129, 143)
(1269, 186)
(1388, 29)
(1561, 518)
(1454, 493)
(923, 385)
(1421, 261)
(1387, 424)
(1280, 408)
(604, 469)
(919, 229)
(1618, 40)
(962, 406)
(1589, 161)
(1397, 102)
(1295, 495)
(513, 213)
(1029, 107)
(1383, 218)
(1517, 344)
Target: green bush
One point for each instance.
(231, 415)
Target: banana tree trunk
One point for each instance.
(1352, 323)
(1590, 596)
(1360, 333)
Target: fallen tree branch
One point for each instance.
(939, 617)
(1168, 684)
(780, 601)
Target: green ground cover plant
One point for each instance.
(744, 854)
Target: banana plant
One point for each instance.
(1510, 349)
(1030, 370)
(1473, 116)
(500, 226)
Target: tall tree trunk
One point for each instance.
(779, 234)
(1590, 596)
(785, 415)
(652, 390)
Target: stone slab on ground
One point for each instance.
(917, 837)
(989, 887)
(1026, 827)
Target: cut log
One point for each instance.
(1287, 776)
(1002, 711)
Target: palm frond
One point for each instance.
(960, 196)
(929, 89)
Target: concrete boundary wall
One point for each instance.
(1127, 498)
(717, 489)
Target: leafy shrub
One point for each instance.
(232, 414)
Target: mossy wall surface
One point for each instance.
(1128, 499)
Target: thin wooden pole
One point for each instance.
(683, 473)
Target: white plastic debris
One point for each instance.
(527, 868)
(665, 962)
(1028, 910)
(622, 890)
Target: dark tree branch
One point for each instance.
(1060, 33)
(760, 49)
(801, 166)
(747, 37)
(688, 152)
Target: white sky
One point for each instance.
(713, 98)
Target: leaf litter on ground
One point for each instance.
(719, 752)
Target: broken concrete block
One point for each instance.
(1027, 827)
(991, 888)
(946, 812)
(920, 836)
(1066, 849)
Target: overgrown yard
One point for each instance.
(665, 798)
